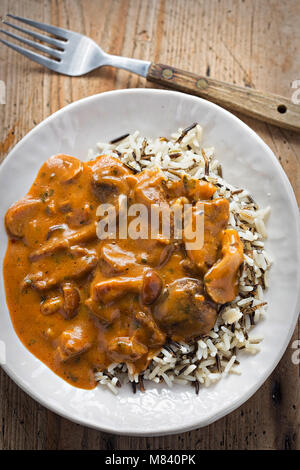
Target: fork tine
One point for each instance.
(39, 47)
(40, 37)
(45, 61)
(59, 32)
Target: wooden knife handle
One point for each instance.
(266, 107)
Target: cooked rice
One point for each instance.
(206, 360)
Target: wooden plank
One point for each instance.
(246, 42)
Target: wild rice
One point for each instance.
(206, 360)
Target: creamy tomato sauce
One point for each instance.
(79, 303)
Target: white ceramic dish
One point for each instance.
(247, 162)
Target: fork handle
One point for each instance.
(266, 107)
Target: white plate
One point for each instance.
(247, 162)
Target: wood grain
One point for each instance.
(245, 42)
(266, 107)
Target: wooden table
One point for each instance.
(247, 42)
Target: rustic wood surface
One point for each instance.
(246, 42)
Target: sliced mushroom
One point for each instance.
(193, 189)
(73, 342)
(73, 263)
(150, 187)
(83, 235)
(151, 288)
(221, 281)
(107, 313)
(112, 289)
(106, 191)
(19, 214)
(66, 304)
(183, 312)
(110, 178)
(56, 228)
(71, 300)
(79, 216)
(52, 305)
(150, 333)
(115, 260)
(154, 252)
(49, 248)
(64, 167)
(216, 214)
(52, 246)
(190, 268)
(124, 348)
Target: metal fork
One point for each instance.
(74, 54)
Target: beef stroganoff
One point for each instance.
(119, 310)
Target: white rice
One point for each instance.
(205, 361)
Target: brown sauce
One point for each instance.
(79, 303)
